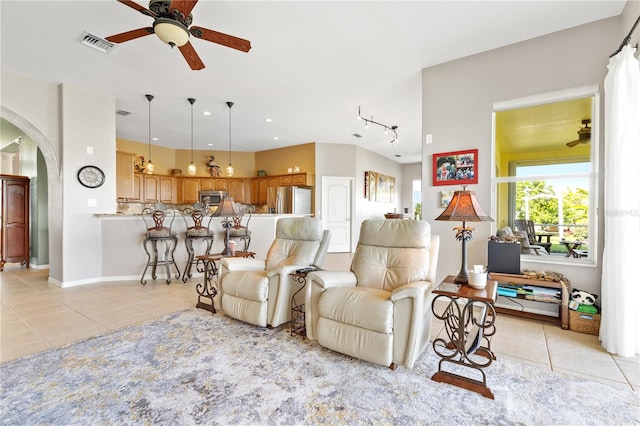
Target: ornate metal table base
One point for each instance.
(468, 327)
(207, 289)
(298, 325)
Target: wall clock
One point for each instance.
(91, 176)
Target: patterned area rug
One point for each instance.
(193, 367)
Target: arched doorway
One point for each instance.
(49, 215)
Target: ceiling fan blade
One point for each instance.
(191, 56)
(578, 141)
(137, 7)
(182, 8)
(221, 38)
(130, 35)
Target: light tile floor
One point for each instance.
(37, 315)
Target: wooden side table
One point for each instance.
(208, 289)
(469, 319)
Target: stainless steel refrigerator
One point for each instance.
(289, 200)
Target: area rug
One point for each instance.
(193, 367)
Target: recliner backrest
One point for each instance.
(392, 253)
(297, 242)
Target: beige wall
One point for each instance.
(457, 106)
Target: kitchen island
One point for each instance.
(124, 258)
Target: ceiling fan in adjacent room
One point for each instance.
(171, 21)
(584, 134)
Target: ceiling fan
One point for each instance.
(171, 21)
(584, 134)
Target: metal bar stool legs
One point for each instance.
(170, 244)
(188, 242)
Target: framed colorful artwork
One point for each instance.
(455, 168)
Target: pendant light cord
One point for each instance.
(149, 98)
(229, 104)
(191, 101)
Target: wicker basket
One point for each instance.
(584, 323)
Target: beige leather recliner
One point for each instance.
(380, 310)
(258, 291)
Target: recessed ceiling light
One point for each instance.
(209, 144)
(268, 120)
(275, 138)
(155, 139)
(206, 113)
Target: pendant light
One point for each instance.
(191, 170)
(229, 167)
(150, 167)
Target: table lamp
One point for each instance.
(226, 209)
(464, 207)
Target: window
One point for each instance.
(545, 172)
(417, 198)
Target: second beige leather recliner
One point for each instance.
(259, 291)
(380, 310)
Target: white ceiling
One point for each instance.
(311, 64)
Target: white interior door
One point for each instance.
(336, 212)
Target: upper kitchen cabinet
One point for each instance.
(124, 175)
(189, 190)
(238, 190)
(168, 189)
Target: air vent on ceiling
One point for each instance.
(96, 42)
(357, 135)
(123, 112)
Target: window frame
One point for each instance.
(594, 190)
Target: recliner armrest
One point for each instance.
(242, 264)
(326, 279)
(317, 283)
(284, 270)
(417, 289)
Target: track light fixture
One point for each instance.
(394, 129)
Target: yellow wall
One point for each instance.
(166, 159)
(278, 161)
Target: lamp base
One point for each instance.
(461, 279)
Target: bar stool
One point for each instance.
(197, 232)
(158, 221)
(239, 232)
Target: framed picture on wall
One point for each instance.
(455, 168)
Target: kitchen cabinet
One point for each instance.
(273, 181)
(284, 180)
(237, 189)
(302, 179)
(207, 184)
(124, 174)
(151, 188)
(221, 184)
(259, 190)
(168, 190)
(137, 187)
(189, 190)
(14, 215)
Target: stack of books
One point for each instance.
(530, 292)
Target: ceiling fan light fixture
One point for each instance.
(230, 170)
(171, 32)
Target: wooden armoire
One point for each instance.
(14, 215)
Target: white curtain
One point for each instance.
(620, 321)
